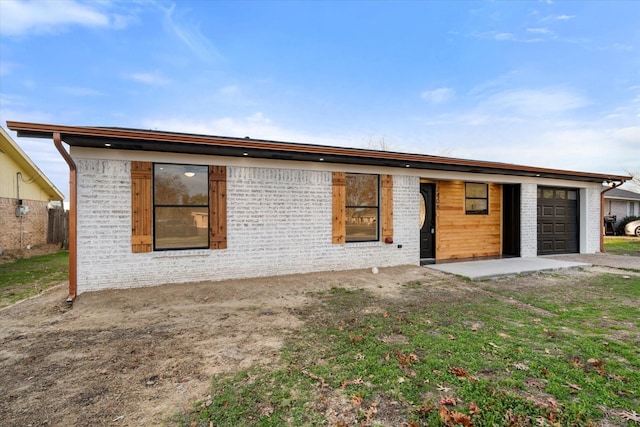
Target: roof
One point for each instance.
(13, 150)
(620, 194)
(153, 140)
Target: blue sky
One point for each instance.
(543, 83)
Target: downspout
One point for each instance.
(73, 263)
(602, 211)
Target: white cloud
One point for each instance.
(78, 91)
(24, 17)
(190, 34)
(564, 17)
(152, 78)
(256, 125)
(530, 102)
(229, 90)
(539, 30)
(438, 96)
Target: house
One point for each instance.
(138, 200)
(621, 204)
(25, 193)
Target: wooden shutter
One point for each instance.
(140, 207)
(387, 207)
(217, 207)
(339, 231)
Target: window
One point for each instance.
(476, 199)
(155, 223)
(180, 206)
(362, 209)
(631, 209)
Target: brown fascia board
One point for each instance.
(152, 140)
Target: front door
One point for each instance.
(427, 221)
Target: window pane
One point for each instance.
(547, 193)
(181, 185)
(423, 210)
(362, 190)
(573, 195)
(181, 227)
(362, 224)
(476, 190)
(476, 206)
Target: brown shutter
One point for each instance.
(387, 207)
(217, 207)
(339, 232)
(140, 207)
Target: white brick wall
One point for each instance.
(279, 222)
(590, 220)
(528, 220)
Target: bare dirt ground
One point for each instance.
(135, 357)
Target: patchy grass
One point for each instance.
(622, 245)
(514, 352)
(29, 276)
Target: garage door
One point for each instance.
(557, 220)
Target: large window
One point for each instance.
(362, 207)
(180, 206)
(476, 198)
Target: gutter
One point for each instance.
(73, 252)
(602, 210)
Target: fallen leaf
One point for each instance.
(442, 387)
(447, 400)
(574, 386)
(630, 416)
(493, 345)
(521, 366)
(577, 363)
(503, 335)
(356, 400)
(473, 408)
(451, 337)
(595, 362)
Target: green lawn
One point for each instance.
(622, 245)
(29, 276)
(545, 350)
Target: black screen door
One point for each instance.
(427, 221)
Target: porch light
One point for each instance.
(189, 174)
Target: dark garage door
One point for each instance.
(557, 220)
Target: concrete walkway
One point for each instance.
(489, 269)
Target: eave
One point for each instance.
(159, 141)
(16, 153)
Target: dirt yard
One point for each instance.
(134, 357)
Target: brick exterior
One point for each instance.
(528, 220)
(279, 222)
(33, 224)
(590, 220)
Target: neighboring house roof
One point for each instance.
(618, 194)
(148, 140)
(15, 153)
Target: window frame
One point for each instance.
(154, 205)
(377, 207)
(468, 198)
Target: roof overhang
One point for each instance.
(171, 142)
(13, 150)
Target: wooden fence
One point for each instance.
(58, 231)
